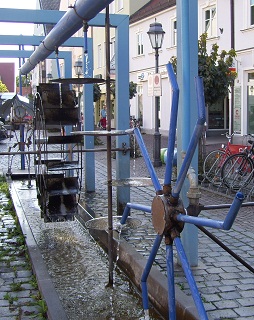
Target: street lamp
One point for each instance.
(78, 67)
(49, 76)
(156, 35)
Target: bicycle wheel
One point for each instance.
(212, 166)
(237, 171)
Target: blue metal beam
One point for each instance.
(52, 16)
(122, 108)
(37, 40)
(187, 70)
(71, 22)
(27, 53)
(30, 16)
(65, 55)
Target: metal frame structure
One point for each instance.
(86, 10)
(168, 212)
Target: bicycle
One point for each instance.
(215, 159)
(238, 169)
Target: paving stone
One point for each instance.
(245, 311)
(222, 314)
(246, 302)
(225, 304)
(248, 294)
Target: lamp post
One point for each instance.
(78, 67)
(156, 35)
(49, 76)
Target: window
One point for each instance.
(112, 47)
(140, 45)
(99, 56)
(252, 12)
(140, 104)
(210, 20)
(250, 102)
(120, 5)
(112, 8)
(174, 31)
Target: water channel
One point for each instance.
(78, 267)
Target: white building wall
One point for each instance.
(141, 66)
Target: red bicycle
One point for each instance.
(216, 158)
(238, 169)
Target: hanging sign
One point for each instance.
(154, 85)
(157, 85)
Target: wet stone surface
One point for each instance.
(19, 294)
(226, 286)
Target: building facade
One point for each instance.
(229, 24)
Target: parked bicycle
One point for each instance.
(214, 160)
(238, 169)
(134, 123)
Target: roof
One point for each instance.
(49, 5)
(151, 8)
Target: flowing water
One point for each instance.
(79, 269)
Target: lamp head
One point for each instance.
(78, 67)
(156, 35)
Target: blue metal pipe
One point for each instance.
(135, 206)
(58, 67)
(194, 139)
(235, 207)
(71, 22)
(225, 225)
(148, 162)
(186, 67)
(189, 276)
(172, 125)
(171, 282)
(147, 270)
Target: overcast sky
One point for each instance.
(15, 28)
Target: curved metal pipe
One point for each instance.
(71, 22)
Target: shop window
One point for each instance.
(216, 115)
(250, 103)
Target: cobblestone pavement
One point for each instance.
(226, 286)
(19, 294)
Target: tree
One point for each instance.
(132, 89)
(25, 80)
(3, 87)
(214, 69)
(96, 92)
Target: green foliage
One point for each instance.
(215, 71)
(132, 89)
(96, 92)
(10, 298)
(3, 87)
(16, 286)
(214, 68)
(25, 80)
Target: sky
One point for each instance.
(15, 28)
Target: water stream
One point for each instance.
(79, 270)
